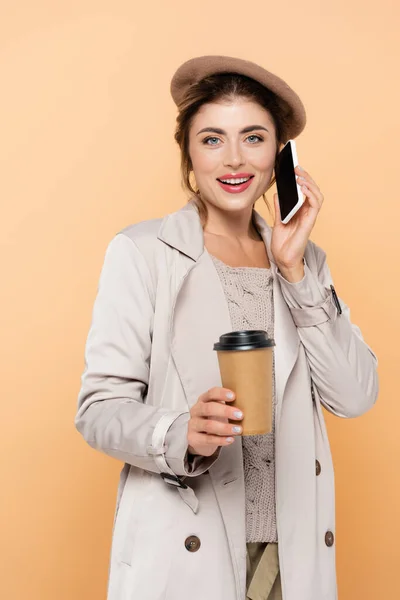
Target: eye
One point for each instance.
(254, 138)
(211, 141)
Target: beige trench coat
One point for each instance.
(149, 355)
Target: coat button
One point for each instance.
(192, 543)
(317, 468)
(329, 539)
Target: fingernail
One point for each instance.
(236, 429)
(302, 178)
(229, 440)
(230, 395)
(238, 414)
(300, 168)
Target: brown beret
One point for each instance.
(196, 69)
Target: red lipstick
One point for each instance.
(229, 184)
(235, 176)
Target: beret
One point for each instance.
(196, 69)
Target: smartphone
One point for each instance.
(290, 196)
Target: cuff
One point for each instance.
(309, 302)
(177, 456)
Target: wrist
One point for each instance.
(292, 274)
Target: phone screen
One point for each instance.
(286, 181)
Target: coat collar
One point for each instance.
(182, 230)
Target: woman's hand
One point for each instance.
(208, 426)
(288, 242)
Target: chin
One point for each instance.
(234, 203)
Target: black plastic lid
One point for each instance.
(244, 340)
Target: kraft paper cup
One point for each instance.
(245, 360)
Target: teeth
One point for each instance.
(233, 181)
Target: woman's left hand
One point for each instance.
(288, 242)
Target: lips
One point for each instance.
(234, 183)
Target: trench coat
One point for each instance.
(149, 355)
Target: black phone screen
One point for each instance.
(286, 181)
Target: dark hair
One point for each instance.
(213, 89)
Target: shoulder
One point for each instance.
(142, 233)
(136, 238)
(133, 250)
(142, 236)
(130, 256)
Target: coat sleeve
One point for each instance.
(112, 414)
(343, 367)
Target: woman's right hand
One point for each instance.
(208, 426)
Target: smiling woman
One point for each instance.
(204, 512)
(221, 163)
(233, 99)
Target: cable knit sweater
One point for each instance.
(249, 295)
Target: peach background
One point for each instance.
(87, 147)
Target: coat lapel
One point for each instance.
(201, 314)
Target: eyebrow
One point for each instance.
(222, 132)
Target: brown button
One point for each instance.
(192, 543)
(317, 468)
(329, 539)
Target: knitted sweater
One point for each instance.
(249, 295)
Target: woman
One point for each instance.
(203, 512)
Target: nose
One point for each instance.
(233, 156)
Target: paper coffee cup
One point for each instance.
(245, 360)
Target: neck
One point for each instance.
(238, 226)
